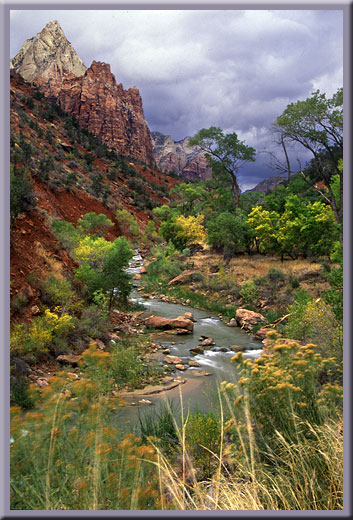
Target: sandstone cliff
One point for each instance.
(47, 58)
(102, 106)
(187, 161)
(108, 111)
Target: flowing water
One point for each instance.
(199, 392)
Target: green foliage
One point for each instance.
(103, 266)
(55, 291)
(21, 193)
(229, 233)
(301, 229)
(203, 439)
(226, 154)
(315, 321)
(44, 334)
(161, 425)
(250, 293)
(19, 392)
(162, 212)
(317, 124)
(19, 301)
(94, 224)
(66, 233)
(127, 222)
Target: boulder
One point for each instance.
(197, 350)
(262, 333)
(143, 270)
(35, 310)
(237, 348)
(69, 359)
(184, 277)
(207, 342)
(201, 373)
(247, 319)
(180, 366)
(193, 363)
(175, 360)
(233, 323)
(188, 316)
(157, 322)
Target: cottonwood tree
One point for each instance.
(225, 154)
(317, 125)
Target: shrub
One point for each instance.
(282, 386)
(127, 222)
(202, 442)
(42, 335)
(19, 301)
(19, 392)
(250, 293)
(21, 193)
(276, 275)
(55, 291)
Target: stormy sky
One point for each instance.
(232, 68)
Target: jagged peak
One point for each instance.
(46, 54)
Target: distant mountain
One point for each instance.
(269, 184)
(92, 95)
(188, 162)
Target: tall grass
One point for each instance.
(276, 443)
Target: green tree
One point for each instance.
(225, 154)
(190, 197)
(229, 233)
(94, 224)
(317, 125)
(105, 268)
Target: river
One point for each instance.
(198, 392)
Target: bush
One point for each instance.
(19, 392)
(55, 291)
(202, 441)
(19, 301)
(250, 293)
(43, 335)
(282, 387)
(276, 275)
(21, 193)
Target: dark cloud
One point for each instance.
(235, 69)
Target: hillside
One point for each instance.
(70, 173)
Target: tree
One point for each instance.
(127, 222)
(94, 224)
(190, 197)
(190, 230)
(301, 229)
(103, 267)
(317, 125)
(229, 233)
(225, 154)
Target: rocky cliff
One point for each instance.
(47, 58)
(100, 104)
(108, 111)
(187, 161)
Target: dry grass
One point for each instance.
(54, 267)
